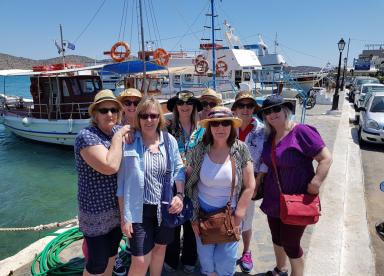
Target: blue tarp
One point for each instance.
(131, 67)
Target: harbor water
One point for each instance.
(37, 181)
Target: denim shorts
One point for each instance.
(147, 233)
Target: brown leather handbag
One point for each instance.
(219, 226)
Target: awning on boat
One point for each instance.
(24, 72)
(131, 67)
(12, 72)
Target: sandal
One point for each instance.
(276, 272)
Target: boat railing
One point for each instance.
(53, 111)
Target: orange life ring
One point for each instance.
(117, 55)
(201, 67)
(198, 58)
(161, 57)
(221, 67)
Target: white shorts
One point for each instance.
(248, 218)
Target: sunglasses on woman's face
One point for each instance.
(210, 104)
(224, 123)
(246, 105)
(146, 116)
(128, 103)
(106, 110)
(274, 109)
(181, 102)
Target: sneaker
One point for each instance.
(245, 262)
(119, 269)
(188, 269)
(168, 268)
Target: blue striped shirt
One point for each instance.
(155, 167)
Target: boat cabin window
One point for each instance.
(89, 86)
(246, 76)
(188, 78)
(75, 87)
(65, 89)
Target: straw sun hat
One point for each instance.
(102, 96)
(130, 92)
(210, 93)
(221, 113)
(245, 95)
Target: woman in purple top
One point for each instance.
(297, 145)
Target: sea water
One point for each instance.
(37, 181)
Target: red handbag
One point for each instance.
(297, 209)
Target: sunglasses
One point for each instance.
(274, 109)
(181, 102)
(224, 123)
(128, 103)
(245, 105)
(210, 104)
(146, 116)
(106, 110)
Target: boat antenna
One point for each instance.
(62, 45)
(276, 43)
(213, 44)
(142, 47)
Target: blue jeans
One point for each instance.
(220, 258)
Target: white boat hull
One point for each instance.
(62, 132)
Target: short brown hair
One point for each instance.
(208, 137)
(146, 104)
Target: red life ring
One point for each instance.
(161, 57)
(221, 67)
(198, 58)
(117, 55)
(201, 67)
(40, 68)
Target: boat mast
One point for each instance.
(213, 45)
(62, 45)
(142, 47)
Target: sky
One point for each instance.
(307, 31)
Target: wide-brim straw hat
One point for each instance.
(102, 96)
(212, 94)
(242, 95)
(221, 113)
(130, 92)
(184, 95)
(271, 101)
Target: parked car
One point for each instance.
(371, 121)
(365, 88)
(356, 86)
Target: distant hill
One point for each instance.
(13, 62)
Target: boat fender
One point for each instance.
(70, 125)
(25, 121)
(120, 56)
(161, 57)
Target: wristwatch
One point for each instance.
(181, 195)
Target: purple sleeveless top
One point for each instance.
(294, 156)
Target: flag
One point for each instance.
(59, 49)
(70, 46)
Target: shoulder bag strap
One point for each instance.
(273, 158)
(233, 162)
(168, 189)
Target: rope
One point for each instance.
(41, 227)
(48, 262)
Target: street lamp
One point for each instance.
(335, 102)
(345, 67)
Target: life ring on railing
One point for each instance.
(201, 67)
(221, 67)
(161, 57)
(40, 68)
(198, 58)
(117, 55)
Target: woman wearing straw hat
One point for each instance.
(294, 147)
(129, 99)
(185, 107)
(148, 162)
(98, 152)
(210, 180)
(209, 99)
(252, 133)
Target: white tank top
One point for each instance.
(215, 183)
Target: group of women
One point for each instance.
(130, 152)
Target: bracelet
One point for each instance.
(180, 195)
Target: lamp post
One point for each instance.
(335, 102)
(343, 79)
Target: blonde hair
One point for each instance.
(93, 120)
(146, 104)
(268, 129)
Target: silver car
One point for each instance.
(366, 88)
(371, 121)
